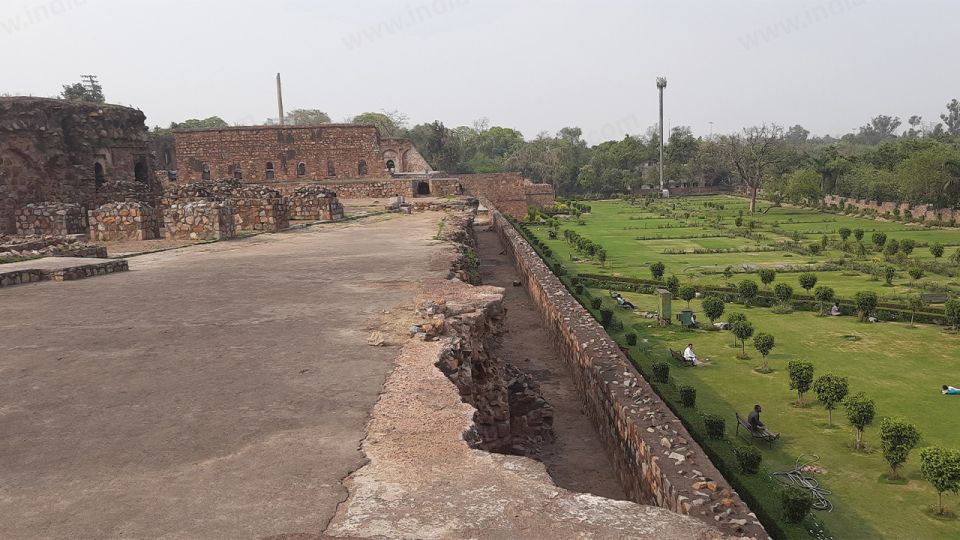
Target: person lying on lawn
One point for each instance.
(949, 390)
(624, 302)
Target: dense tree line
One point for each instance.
(883, 160)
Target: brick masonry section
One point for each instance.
(655, 458)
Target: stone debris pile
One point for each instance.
(48, 246)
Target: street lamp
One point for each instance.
(661, 84)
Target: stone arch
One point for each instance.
(269, 171)
(362, 168)
(301, 169)
(205, 172)
(237, 172)
(19, 184)
(331, 170)
(391, 166)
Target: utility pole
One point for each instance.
(280, 99)
(661, 84)
(711, 129)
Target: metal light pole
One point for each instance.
(661, 84)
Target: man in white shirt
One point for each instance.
(689, 355)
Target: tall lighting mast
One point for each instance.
(661, 84)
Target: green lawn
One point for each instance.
(899, 366)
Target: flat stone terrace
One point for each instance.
(215, 391)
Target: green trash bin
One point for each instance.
(686, 318)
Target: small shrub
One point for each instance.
(657, 269)
(631, 339)
(673, 285)
(595, 303)
(796, 504)
(915, 272)
(688, 395)
(936, 250)
(748, 459)
(606, 316)
(715, 426)
(661, 372)
(866, 302)
(578, 288)
(616, 325)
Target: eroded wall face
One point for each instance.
(291, 153)
(66, 151)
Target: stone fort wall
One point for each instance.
(922, 212)
(265, 154)
(654, 457)
(54, 150)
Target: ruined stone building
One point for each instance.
(70, 152)
(265, 154)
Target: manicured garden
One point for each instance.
(899, 367)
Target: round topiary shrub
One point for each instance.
(661, 372)
(796, 504)
(688, 395)
(596, 303)
(606, 316)
(715, 425)
(748, 459)
(631, 339)
(578, 288)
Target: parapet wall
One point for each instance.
(199, 220)
(922, 212)
(653, 455)
(51, 218)
(124, 221)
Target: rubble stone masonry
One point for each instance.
(67, 151)
(124, 221)
(922, 212)
(655, 458)
(200, 220)
(51, 218)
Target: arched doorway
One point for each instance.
(362, 168)
(99, 178)
(139, 171)
(391, 166)
(423, 188)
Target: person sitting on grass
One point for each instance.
(690, 356)
(949, 390)
(624, 303)
(835, 310)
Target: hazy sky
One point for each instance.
(535, 65)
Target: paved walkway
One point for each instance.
(217, 391)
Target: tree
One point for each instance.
(801, 377)
(952, 310)
(879, 239)
(907, 246)
(748, 290)
(824, 295)
(601, 255)
(898, 438)
(916, 304)
(657, 269)
(767, 275)
(803, 186)
(764, 343)
(92, 92)
(941, 467)
(936, 250)
(879, 128)
(673, 285)
(742, 330)
(889, 273)
(952, 117)
(306, 117)
(866, 302)
(390, 123)
(860, 413)
(844, 233)
(893, 246)
(807, 281)
(733, 319)
(784, 293)
(831, 390)
(211, 122)
(755, 153)
(713, 307)
(915, 272)
(688, 293)
(858, 234)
